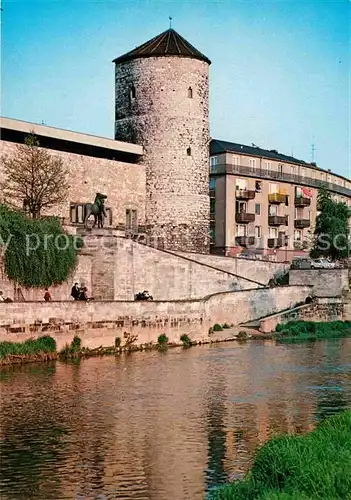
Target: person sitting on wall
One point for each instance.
(47, 295)
(83, 293)
(2, 298)
(75, 291)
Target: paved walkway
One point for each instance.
(231, 334)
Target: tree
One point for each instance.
(331, 234)
(33, 178)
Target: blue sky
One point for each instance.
(280, 73)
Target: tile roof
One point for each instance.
(218, 146)
(168, 43)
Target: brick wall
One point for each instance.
(166, 122)
(325, 282)
(98, 323)
(123, 183)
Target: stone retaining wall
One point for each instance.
(98, 323)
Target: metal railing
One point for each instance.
(262, 173)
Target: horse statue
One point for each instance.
(97, 209)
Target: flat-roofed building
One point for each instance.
(264, 202)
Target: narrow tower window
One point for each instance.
(188, 151)
(132, 92)
(190, 93)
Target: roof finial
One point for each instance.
(170, 22)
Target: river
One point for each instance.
(160, 425)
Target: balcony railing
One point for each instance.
(275, 242)
(301, 201)
(245, 194)
(302, 223)
(277, 198)
(263, 173)
(244, 217)
(244, 241)
(277, 220)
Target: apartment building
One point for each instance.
(263, 202)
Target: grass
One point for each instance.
(314, 466)
(45, 344)
(307, 331)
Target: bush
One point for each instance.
(54, 253)
(217, 328)
(242, 335)
(225, 326)
(45, 344)
(316, 466)
(186, 340)
(76, 344)
(162, 339)
(297, 331)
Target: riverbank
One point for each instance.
(316, 465)
(310, 331)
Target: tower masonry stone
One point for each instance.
(162, 103)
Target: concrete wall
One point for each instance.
(325, 282)
(98, 323)
(327, 309)
(123, 183)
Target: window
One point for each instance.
(293, 170)
(131, 219)
(268, 166)
(258, 187)
(258, 231)
(252, 162)
(258, 209)
(273, 189)
(132, 93)
(212, 183)
(212, 205)
(241, 230)
(272, 210)
(302, 172)
(77, 213)
(241, 207)
(236, 160)
(188, 151)
(280, 169)
(190, 93)
(213, 161)
(273, 232)
(287, 200)
(298, 235)
(240, 184)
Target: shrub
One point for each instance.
(117, 342)
(242, 335)
(186, 340)
(225, 326)
(296, 331)
(217, 328)
(54, 254)
(76, 344)
(162, 339)
(44, 344)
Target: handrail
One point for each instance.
(263, 173)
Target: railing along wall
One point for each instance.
(262, 173)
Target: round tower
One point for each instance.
(162, 91)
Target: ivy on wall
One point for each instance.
(37, 253)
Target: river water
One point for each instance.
(160, 425)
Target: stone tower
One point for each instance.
(162, 90)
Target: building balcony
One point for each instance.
(244, 217)
(302, 223)
(277, 198)
(277, 220)
(245, 241)
(245, 194)
(275, 242)
(301, 201)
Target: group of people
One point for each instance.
(143, 296)
(79, 292)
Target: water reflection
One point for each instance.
(160, 426)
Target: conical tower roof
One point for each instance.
(168, 43)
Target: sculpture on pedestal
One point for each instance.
(97, 209)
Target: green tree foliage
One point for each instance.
(331, 234)
(37, 253)
(33, 179)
